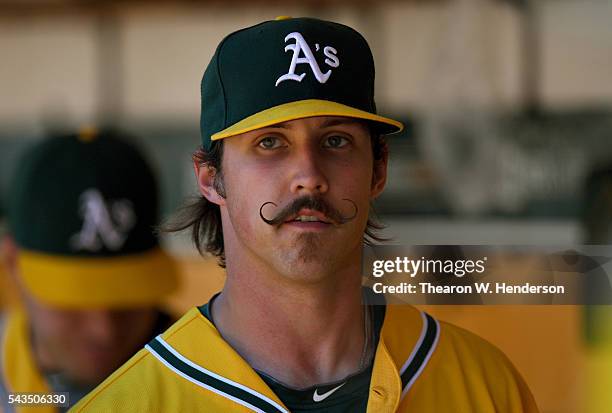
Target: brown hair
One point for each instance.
(204, 217)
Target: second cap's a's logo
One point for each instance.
(103, 224)
(302, 54)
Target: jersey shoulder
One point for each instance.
(461, 348)
(472, 373)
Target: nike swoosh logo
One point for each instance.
(320, 397)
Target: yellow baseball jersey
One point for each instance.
(18, 369)
(421, 365)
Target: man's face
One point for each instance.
(87, 345)
(325, 159)
(84, 345)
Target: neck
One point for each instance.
(301, 334)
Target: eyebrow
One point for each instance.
(326, 124)
(340, 121)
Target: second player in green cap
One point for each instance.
(91, 275)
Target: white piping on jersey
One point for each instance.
(417, 345)
(414, 351)
(210, 373)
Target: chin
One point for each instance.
(310, 260)
(92, 369)
(310, 270)
(90, 378)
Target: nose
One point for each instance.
(308, 176)
(101, 326)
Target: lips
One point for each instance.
(309, 215)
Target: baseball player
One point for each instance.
(88, 266)
(293, 153)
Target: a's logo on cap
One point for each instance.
(301, 47)
(103, 223)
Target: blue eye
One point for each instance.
(335, 141)
(269, 142)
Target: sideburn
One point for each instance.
(218, 184)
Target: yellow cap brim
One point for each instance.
(118, 282)
(305, 109)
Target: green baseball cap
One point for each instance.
(82, 210)
(287, 69)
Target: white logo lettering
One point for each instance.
(102, 224)
(320, 397)
(332, 59)
(300, 46)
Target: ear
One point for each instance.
(379, 175)
(8, 254)
(205, 177)
(15, 293)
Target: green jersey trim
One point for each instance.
(426, 345)
(204, 378)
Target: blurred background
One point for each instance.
(508, 105)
